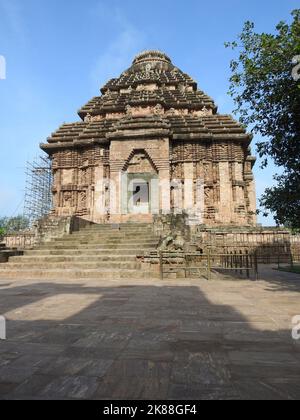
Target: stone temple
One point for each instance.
(151, 143)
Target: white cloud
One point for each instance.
(119, 53)
(2, 68)
(11, 11)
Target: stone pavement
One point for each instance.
(150, 339)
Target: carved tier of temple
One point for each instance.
(153, 142)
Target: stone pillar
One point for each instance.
(225, 214)
(238, 171)
(162, 159)
(238, 176)
(252, 199)
(115, 193)
(189, 201)
(200, 201)
(99, 195)
(165, 190)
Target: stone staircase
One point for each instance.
(97, 251)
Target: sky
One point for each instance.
(59, 53)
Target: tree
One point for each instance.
(2, 232)
(13, 224)
(265, 86)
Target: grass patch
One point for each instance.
(295, 269)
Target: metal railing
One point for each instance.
(291, 261)
(243, 263)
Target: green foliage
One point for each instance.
(13, 224)
(267, 98)
(295, 269)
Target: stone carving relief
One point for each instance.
(140, 163)
(128, 109)
(209, 195)
(67, 199)
(147, 87)
(171, 112)
(207, 172)
(158, 110)
(215, 172)
(148, 69)
(202, 113)
(88, 118)
(82, 200)
(182, 87)
(85, 163)
(177, 172)
(84, 176)
(223, 147)
(188, 152)
(112, 116)
(141, 111)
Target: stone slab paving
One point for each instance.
(151, 339)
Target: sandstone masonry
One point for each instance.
(148, 145)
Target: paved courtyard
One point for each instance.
(151, 339)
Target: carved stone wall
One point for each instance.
(226, 171)
(75, 173)
(140, 156)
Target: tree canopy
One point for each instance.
(265, 86)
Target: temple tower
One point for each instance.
(153, 142)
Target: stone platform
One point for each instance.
(148, 339)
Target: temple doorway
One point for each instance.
(141, 198)
(140, 193)
(140, 185)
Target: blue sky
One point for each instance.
(59, 53)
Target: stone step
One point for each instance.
(107, 245)
(110, 236)
(76, 274)
(79, 265)
(69, 258)
(83, 252)
(130, 229)
(115, 233)
(120, 228)
(124, 241)
(120, 225)
(99, 247)
(98, 251)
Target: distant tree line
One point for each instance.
(13, 224)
